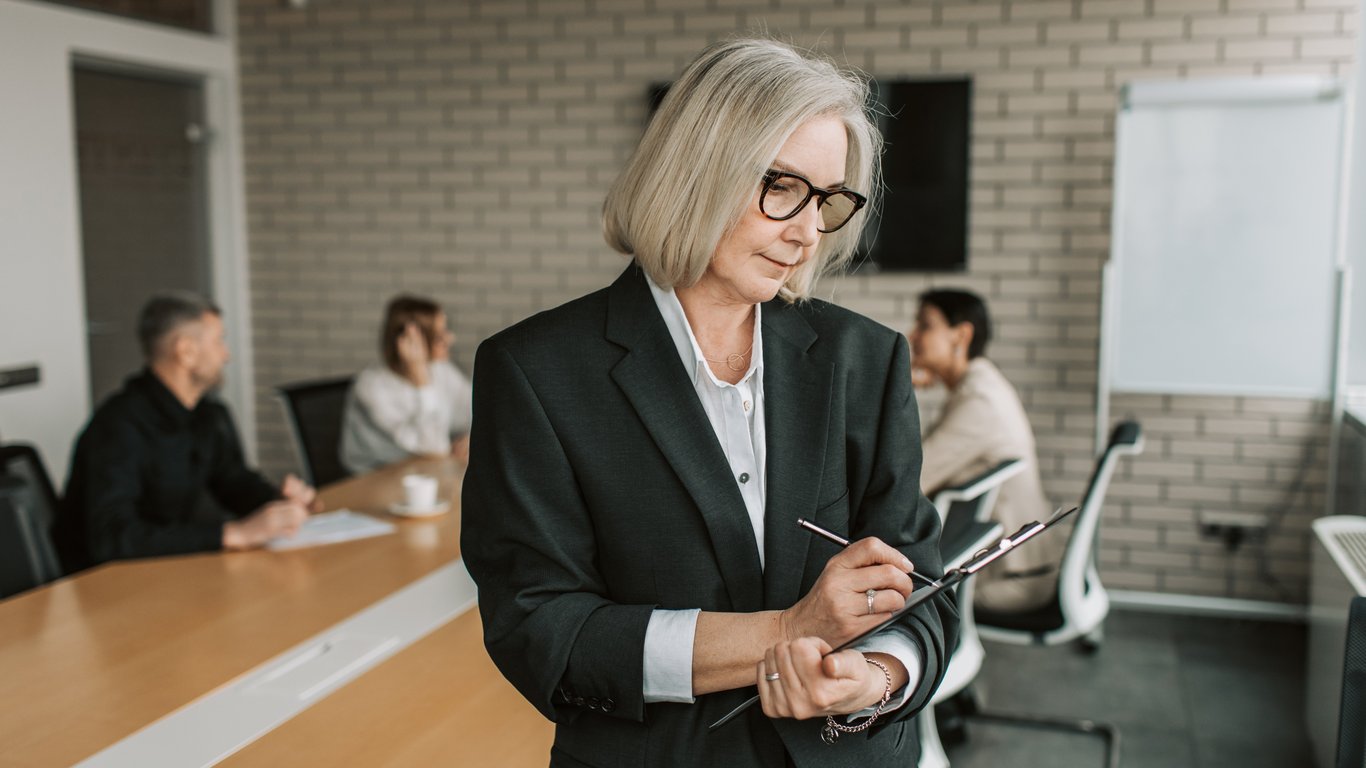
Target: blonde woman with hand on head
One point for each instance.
(417, 403)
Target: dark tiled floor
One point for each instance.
(1185, 692)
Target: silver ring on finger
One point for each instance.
(772, 676)
(870, 594)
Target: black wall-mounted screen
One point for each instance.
(923, 224)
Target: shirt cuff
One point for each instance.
(668, 656)
(903, 650)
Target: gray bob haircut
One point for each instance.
(165, 313)
(700, 164)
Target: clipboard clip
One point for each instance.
(984, 557)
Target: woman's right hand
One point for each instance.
(921, 378)
(413, 352)
(836, 608)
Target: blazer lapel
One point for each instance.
(658, 386)
(797, 394)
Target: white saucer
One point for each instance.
(403, 510)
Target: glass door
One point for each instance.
(142, 179)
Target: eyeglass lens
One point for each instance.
(786, 195)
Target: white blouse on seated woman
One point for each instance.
(417, 403)
(388, 419)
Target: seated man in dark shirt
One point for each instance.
(159, 469)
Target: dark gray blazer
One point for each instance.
(597, 492)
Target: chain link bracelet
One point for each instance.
(832, 730)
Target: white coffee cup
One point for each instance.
(419, 491)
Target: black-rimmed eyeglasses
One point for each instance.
(786, 194)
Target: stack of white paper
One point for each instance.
(330, 528)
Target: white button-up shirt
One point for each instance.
(736, 414)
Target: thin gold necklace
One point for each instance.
(735, 362)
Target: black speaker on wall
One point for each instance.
(1352, 713)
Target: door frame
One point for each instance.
(40, 202)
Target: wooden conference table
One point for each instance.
(89, 660)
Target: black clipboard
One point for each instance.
(983, 557)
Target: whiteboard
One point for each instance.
(1223, 250)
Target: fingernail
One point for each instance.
(905, 563)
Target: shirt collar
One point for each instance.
(689, 352)
(162, 399)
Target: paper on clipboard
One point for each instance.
(331, 528)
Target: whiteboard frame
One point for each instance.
(1295, 88)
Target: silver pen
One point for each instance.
(843, 542)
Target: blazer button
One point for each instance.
(565, 695)
(608, 705)
(593, 702)
(578, 701)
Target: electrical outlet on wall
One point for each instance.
(1232, 528)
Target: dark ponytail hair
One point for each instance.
(963, 307)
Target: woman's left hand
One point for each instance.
(810, 684)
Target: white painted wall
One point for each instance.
(42, 307)
(1356, 223)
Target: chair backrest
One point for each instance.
(1078, 561)
(965, 509)
(28, 505)
(315, 412)
(1352, 711)
(977, 495)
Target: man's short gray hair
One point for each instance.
(165, 313)
(702, 159)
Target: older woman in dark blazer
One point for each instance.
(640, 456)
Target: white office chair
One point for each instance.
(965, 511)
(1078, 611)
(1081, 604)
(980, 492)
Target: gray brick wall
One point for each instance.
(463, 148)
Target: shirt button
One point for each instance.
(744, 477)
(747, 404)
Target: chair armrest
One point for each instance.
(992, 478)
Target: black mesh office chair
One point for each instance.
(1352, 711)
(315, 411)
(28, 505)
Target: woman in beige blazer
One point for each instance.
(982, 424)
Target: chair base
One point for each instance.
(932, 753)
(1106, 731)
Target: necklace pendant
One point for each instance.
(735, 362)
(828, 734)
